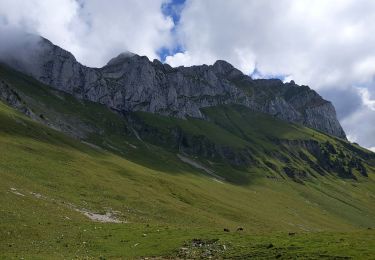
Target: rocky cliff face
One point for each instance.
(133, 83)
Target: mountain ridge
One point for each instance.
(134, 83)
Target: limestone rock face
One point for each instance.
(134, 83)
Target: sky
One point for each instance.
(326, 44)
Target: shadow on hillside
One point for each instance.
(168, 161)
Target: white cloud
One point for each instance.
(366, 99)
(318, 42)
(360, 123)
(94, 31)
(133, 25)
(186, 59)
(52, 19)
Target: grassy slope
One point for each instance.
(159, 196)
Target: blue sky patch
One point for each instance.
(172, 9)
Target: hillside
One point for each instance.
(81, 180)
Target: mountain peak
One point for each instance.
(121, 58)
(223, 67)
(223, 63)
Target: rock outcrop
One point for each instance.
(133, 83)
(10, 97)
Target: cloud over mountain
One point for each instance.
(94, 31)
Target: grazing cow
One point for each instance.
(291, 233)
(226, 230)
(239, 229)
